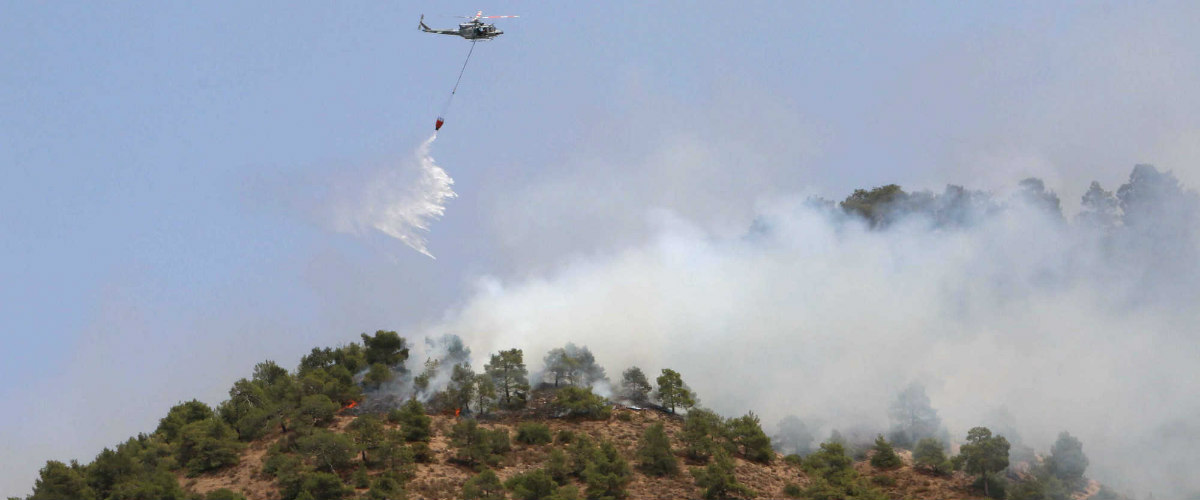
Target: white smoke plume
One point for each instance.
(401, 202)
(1066, 325)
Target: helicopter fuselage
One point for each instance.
(472, 30)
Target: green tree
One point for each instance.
(794, 437)
(718, 480)
(885, 457)
(582, 451)
(654, 452)
(207, 445)
(377, 375)
(414, 423)
(533, 433)
(607, 474)
(476, 445)
(581, 403)
(702, 430)
(913, 418)
(360, 478)
(483, 486)
(930, 455)
(556, 466)
(386, 348)
(387, 487)
(485, 393)
(747, 436)
(533, 485)
(180, 415)
(329, 450)
(58, 481)
(635, 387)
(317, 409)
(1067, 461)
(223, 494)
(325, 486)
(672, 392)
(984, 454)
(510, 377)
(368, 435)
(876, 205)
(461, 389)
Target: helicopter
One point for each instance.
(473, 30)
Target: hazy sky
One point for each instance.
(170, 172)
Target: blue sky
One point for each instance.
(163, 165)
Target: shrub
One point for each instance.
(931, 457)
(564, 436)
(533, 433)
(747, 435)
(224, 494)
(556, 466)
(718, 480)
(576, 402)
(607, 474)
(483, 486)
(792, 490)
(654, 452)
(885, 457)
(533, 485)
(325, 486)
(625, 417)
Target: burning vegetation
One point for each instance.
(363, 421)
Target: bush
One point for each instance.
(325, 486)
(533, 433)
(414, 423)
(207, 445)
(607, 474)
(476, 445)
(483, 486)
(931, 457)
(556, 466)
(885, 457)
(533, 485)
(995, 486)
(747, 435)
(329, 451)
(702, 432)
(575, 402)
(421, 452)
(792, 490)
(224, 494)
(564, 436)
(654, 452)
(386, 487)
(625, 417)
(794, 459)
(884, 480)
(361, 479)
(718, 480)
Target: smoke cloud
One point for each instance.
(402, 202)
(998, 304)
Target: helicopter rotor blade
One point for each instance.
(498, 17)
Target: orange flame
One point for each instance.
(351, 405)
(457, 411)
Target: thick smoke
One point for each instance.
(1008, 312)
(401, 202)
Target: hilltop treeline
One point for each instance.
(375, 453)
